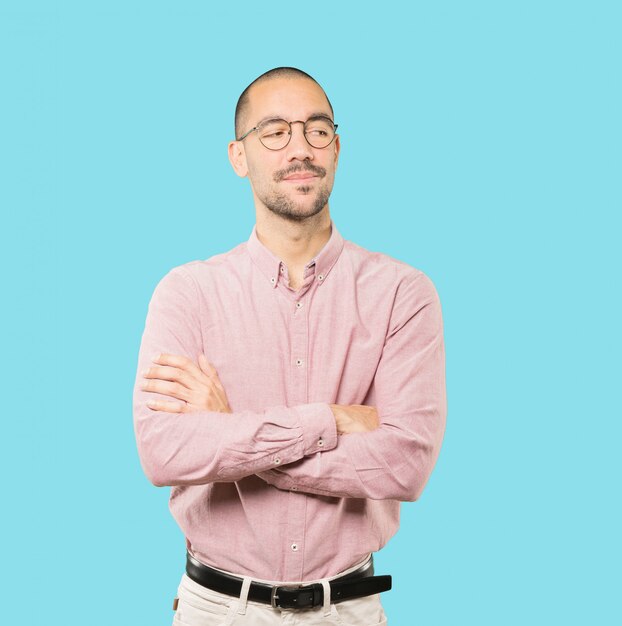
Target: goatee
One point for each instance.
(282, 205)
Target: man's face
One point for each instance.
(296, 181)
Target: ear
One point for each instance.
(237, 158)
(337, 145)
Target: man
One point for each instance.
(291, 391)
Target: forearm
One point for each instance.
(206, 446)
(394, 461)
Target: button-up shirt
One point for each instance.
(270, 490)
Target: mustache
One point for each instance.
(279, 175)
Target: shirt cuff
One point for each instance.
(319, 429)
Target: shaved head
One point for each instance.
(243, 105)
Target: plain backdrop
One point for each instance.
(481, 143)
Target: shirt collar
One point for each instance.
(270, 264)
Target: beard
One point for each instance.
(286, 207)
(282, 205)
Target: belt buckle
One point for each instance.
(274, 596)
(315, 589)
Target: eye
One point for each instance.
(275, 134)
(320, 129)
(276, 129)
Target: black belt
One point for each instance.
(361, 582)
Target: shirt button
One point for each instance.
(320, 277)
(320, 442)
(294, 488)
(298, 305)
(273, 280)
(294, 547)
(277, 461)
(282, 269)
(299, 362)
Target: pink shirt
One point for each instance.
(270, 490)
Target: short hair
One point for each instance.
(277, 72)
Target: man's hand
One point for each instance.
(355, 418)
(177, 376)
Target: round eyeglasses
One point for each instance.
(275, 134)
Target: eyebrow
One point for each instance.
(271, 118)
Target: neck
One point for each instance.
(296, 243)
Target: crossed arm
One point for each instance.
(199, 389)
(386, 451)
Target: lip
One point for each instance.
(300, 176)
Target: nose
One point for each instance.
(298, 147)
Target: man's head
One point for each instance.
(295, 181)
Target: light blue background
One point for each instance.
(481, 142)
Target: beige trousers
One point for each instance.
(198, 606)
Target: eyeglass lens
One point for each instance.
(275, 134)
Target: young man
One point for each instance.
(291, 391)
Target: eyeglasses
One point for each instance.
(275, 134)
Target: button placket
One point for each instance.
(294, 531)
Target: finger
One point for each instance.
(210, 370)
(166, 372)
(166, 388)
(206, 366)
(203, 364)
(180, 361)
(165, 405)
